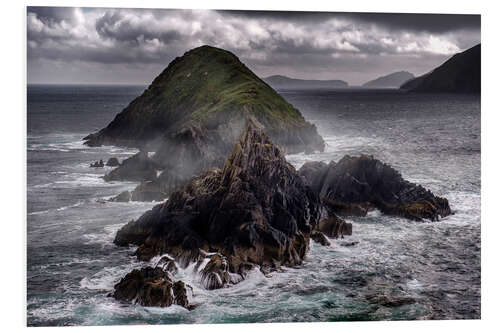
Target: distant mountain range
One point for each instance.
(459, 74)
(393, 80)
(284, 82)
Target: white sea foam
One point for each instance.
(107, 277)
(104, 238)
(59, 209)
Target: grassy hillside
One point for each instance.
(205, 87)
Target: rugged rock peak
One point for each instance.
(254, 153)
(356, 184)
(257, 210)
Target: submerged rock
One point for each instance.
(195, 110)
(355, 185)
(151, 287)
(256, 210)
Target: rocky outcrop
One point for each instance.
(255, 211)
(112, 162)
(167, 264)
(151, 287)
(125, 196)
(216, 274)
(97, 164)
(136, 168)
(320, 238)
(195, 110)
(335, 227)
(356, 184)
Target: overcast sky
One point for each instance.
(132, 46)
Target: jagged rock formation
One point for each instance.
(356, 184)
(255, 211)
(459, 74)
(151, 287)
(335, 227)
(393, 80)
(167, 264)
(284, 82)
(320, 238)
(195, 110)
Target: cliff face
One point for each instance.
(210, 91)
(393, 80)
(459, 74)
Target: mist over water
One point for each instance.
(398, 270)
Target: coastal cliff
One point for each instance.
(459, 74)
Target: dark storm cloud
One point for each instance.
(53, 13)
(436, 23)
(302, 44)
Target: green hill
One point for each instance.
(191, 116)
(207, 87)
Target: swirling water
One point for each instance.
(389, 269)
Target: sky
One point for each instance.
(132, 46)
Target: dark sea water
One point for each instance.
(399, 270)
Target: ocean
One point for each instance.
(396, 269)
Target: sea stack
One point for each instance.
(256, 210)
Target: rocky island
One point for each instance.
(213, 138)
(193, 113)
(258, 212)
(393, 80)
